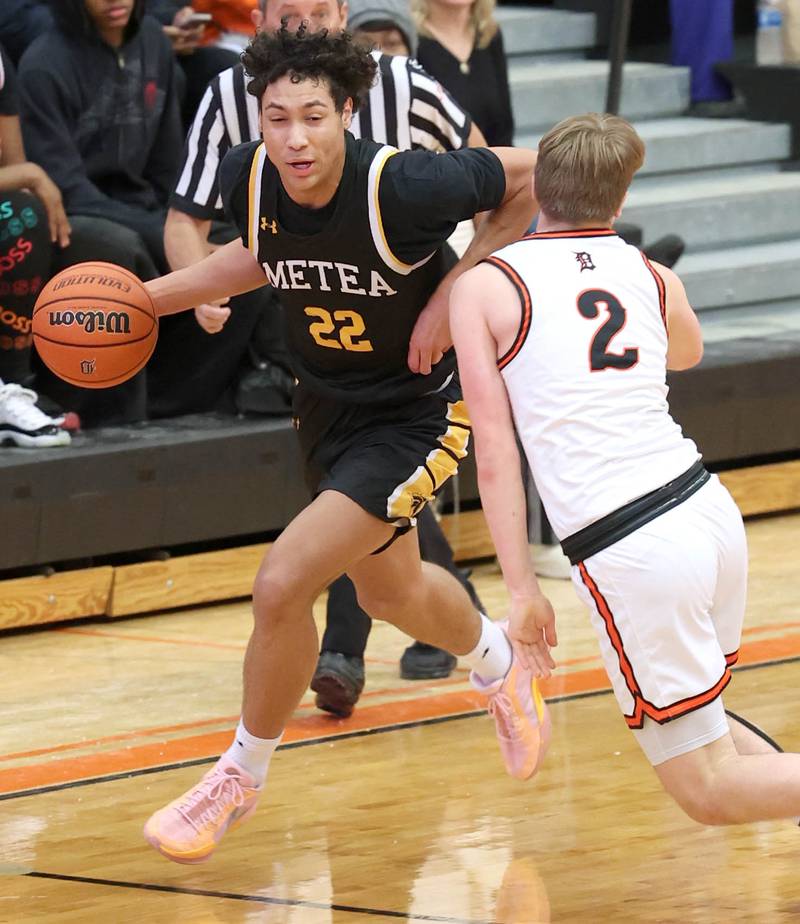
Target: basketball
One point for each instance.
(94, 325)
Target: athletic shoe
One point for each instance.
(424, 662)
(22, 423)
(189, 829)
(338, 682)
(521, 718)
(67, 420)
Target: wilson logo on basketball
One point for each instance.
(87, 366)
(112, 322)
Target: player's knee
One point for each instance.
(704, 803)
(276, 594)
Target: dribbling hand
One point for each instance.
(532, 630)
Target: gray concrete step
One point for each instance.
(725, 212)
(703, 178)
(542, 96)
(684, 144)
(533, 32)
(777, 320)
(696, 144)
(741, 275)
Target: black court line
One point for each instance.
(259, 899)
(362, 733)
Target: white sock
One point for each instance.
(490, 659)
(252, 754)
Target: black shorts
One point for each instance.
(390, 460)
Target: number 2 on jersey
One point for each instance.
(589, 304)
(340, 330)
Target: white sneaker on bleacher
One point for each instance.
(23, 424)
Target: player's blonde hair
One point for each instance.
(481, 19)
(585, 166)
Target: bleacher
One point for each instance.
(175, 513)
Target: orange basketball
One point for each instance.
(95, 325)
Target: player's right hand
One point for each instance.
(532, 631)
(212, 317)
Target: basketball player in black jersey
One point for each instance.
(351, 232)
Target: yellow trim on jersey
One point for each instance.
(440, 464)
(254, 198)
(375, 219)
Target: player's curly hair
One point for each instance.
(348, 67)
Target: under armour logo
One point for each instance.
(584, 260)
(87, 366)
(272, 226)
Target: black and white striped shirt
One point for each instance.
(406, 109)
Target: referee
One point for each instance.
(190, 370)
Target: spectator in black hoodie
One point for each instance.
(100, 115)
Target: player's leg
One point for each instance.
(429, 604)
(421, 661)
(744, 775)
(322, 541)
(716, 785)
(423, 600)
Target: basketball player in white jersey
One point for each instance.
(568, 335)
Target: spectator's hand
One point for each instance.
(50, 196)
(212, 317)
(184, 39)
(532, 630)
(430, 338)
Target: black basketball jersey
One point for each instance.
(350, 301)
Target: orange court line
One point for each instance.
(315, 726)
(232, 719)
(199, 723)
(102, 633)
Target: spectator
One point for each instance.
(99, 114)
(461, 45)
(231, 22)
(21, 21)
(199, 62)
(32, 220)
(386, 25)
(228, 115)
(702, 35)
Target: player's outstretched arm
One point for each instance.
(186, 243)
(228, 271)
(484, 314)
(512, 218)
(685, 346)
(431, 337)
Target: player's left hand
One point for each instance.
(212, 317)
(430, 338)
(532, 630)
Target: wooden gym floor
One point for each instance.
(402, 812)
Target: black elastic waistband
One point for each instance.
(622, 522)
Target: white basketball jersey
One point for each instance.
(586, 375)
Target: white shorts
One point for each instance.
(667, 604)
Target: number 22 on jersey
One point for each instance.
(589, 304)
(338, 330)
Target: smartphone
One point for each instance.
(195, 20)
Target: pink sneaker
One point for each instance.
(521, 719)
(188, 829)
